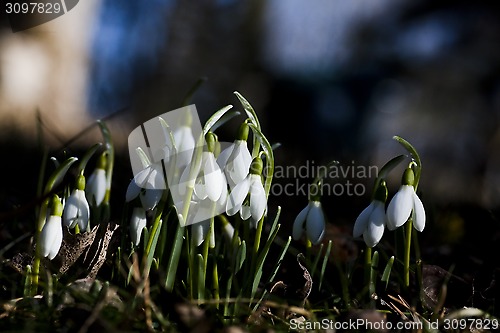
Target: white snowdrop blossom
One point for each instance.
(52, 233)
(404, 204)
(252, 186)
(185, 143)
(314, 219)
(76, 211)
(236, 159)
(372, 220)
(148, 185)
(371, 223)
(76, 208)
(96, 185)
(137, 223)
(211, 182)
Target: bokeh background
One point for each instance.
(330, 79)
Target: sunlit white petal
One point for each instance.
(238, 164)
(96, 186)
(137, 224)
(362, 221)
(400, 207)
(237, 196)
(76, 210)
(376, 225)
(258, 200)
(214, 181)
(51, 237)
(418, 213)
(315, 223)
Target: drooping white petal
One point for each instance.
(418, 213)
(76, 210)
(245, 212)
(362, 221)
(376, 224)
(224, 156)
(214, 181)
(228, 230)
(137, 223)
(400, 207)
(298, 224)
(132, 191)
(258, 202)
(315, 223)
(199, 232)
(237, 196)
(150, 198)
(96, 186)
(221, 203)
(51, 237)
(184, 139)
(238, 164)
(56, 245)
(185, 143)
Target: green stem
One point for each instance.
(408, 226)
(368, 265)
(215, 277)
(256, 243)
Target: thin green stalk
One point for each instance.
(256, 244)
(368, 264)
(215, 277)
(408, 226)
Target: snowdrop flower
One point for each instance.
(236, 159)
(185, 142)
(211, 180)
(314, 219)
(199, 232)
(52, 233)
(251, 185)
(137, 223)
(96, 186)
(76, 209)
(148, 185)
(372, 220)
(406, 203)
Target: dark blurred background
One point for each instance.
(330, 79)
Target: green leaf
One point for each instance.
(85, 159)
(384, 171)
(58, 175)
(153, 240)
(193, 90)
(111, 158)
(408, 146)
(268, 151)
(373, 273)
(316, 260)
(174, 258)
(275, 271)
(387, 271)
(325, 261)
(200, 263)
(261, 259)
(212, 121)
(240, 256)
(275, 223)
(248, 109)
